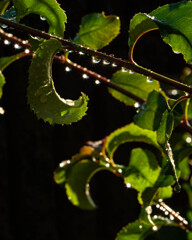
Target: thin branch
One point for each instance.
(79, 48)
(83, 70)
(104, 80)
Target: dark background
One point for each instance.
(32, 205)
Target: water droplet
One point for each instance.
(43, 98)
(185, 222)
(155, 216)
(124, 69)
(105, 62)
(17, 46)
(85, 76)
(140, 226)
(174, 92)
(96, 60)
(4, 26)
(27, 51)
(188, 139)
(24, 41)
(81, 53)
(160, 200)
(7, 42)
(154, 228)
(131, 72)
(177, 188)
(176, 52)
(171, 217)
(157, 205)
(97, 82)
(137, 105)
(2, 111)
(120, 170)
(114, 65)
(148, 210)
(107, 165)
(166, 213)
(150, 80)
(42, 18)
(128, 185)
(68, 69)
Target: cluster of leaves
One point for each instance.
(153, 173)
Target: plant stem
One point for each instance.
(79, 48)
(104, 80)
(83, 70)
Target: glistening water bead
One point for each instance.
(85, 76)
(7, 42)
(96, 60)
(42, 18)
(68, 69)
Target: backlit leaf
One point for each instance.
(42, 96)
(2, 82)
(138, 230)
(49, 9)
(130, 133)
(174, 23)
(134, 83)
(97, 30)
(77, 185)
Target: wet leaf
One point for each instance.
(134, 83)
(49, 9)
(174, 23)
(138, 230)
(42, 96)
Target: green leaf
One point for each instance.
(49, 9)
(166, 127)
(150, 114)
(6, 61)
(2, 82)
(97, 30)
(137, 230)
(143, 170)
(174, 23)
(130, 133)
(42, 96)
(134, 83)
(77, 186)
(3, 6)
(164, 192)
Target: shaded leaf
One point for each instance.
(150, 114)
(97, 30)
(166, 127)
(42, 96)
(137, 230)
(10, 14)
(2, 82)
(49, 9)
(6, 61)
(130, 133)
(135, 83)
(3, 6)
(77, 185)
(174, 23)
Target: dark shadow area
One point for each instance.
(32, 205)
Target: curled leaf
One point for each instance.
(42, 96)
(49, 9)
